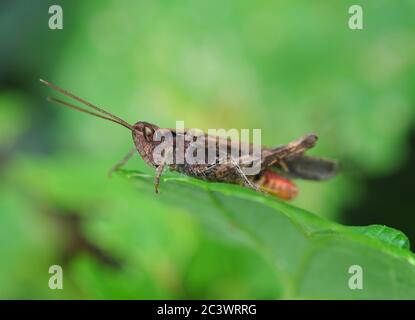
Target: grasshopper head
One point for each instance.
(143, 136)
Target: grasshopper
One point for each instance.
(277, 167)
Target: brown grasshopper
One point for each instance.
(278, 165)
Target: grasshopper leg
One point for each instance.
(122, 162)
(159, 171)
(297, 147)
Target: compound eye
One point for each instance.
(148, 134)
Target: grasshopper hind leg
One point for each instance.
(279, 155)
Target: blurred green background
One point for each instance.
(287, 67)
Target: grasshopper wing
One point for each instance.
(311, 168)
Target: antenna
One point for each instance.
(102, 113)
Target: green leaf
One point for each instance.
(311, 256)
